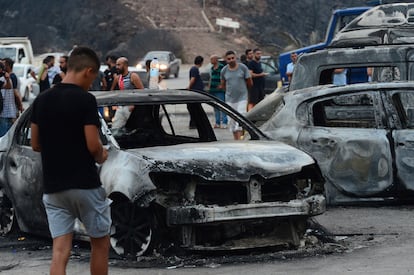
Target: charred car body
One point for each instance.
(376, 46)
(195, 188)
(388, 63)
(361, 136)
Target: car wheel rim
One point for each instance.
(6, 214)
(131, 231)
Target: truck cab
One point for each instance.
(19, 49)
(339, 19)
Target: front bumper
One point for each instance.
(200, 214)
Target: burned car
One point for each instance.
(387, 63)
(361, 136)
(195, 188)
(384, 24)
(376, 46)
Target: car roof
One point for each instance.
(159, 52)
(23, 65)
(332, 89)
(383, 24)
(309, 66)
(145, 96)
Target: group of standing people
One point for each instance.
(10, 95)
(47, 76)
(239, 84)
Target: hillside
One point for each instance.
(132, 27)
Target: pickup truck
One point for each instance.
(19, 49)
(339, 19)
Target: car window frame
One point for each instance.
(380, 119)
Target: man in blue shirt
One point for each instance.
(196, 83)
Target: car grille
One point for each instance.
(188, 189)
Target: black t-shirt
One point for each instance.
(57, 79)
(61, 114)
(198, 84)
(256, 67)
(14, 80)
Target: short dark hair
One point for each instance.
(230, 52)
(198, 60)
(81, 58)
(47, 59)
(256, 50)
(247, 51)
(9, 62)
(65, 57)
(111, 57)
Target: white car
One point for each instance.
(27, 84)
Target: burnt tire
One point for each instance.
(7, 218)
(132, 230)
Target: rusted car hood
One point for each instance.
(234, 161)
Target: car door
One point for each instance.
(346, 135)
(273, 77)
(403, 136)
(24, 177)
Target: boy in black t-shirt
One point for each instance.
(72, 188)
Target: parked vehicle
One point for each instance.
(27, 84)
(198, 189)
(361, 136)
(389, 62)
(272, 80)
(339, 19)
(19, 49)
(384, 24)
(168, 63)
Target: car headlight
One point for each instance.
(163, 67)
(139, 66)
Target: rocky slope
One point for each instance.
(132, 27)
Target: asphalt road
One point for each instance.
(356, 240)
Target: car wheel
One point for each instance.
(177, 73)
(7, 221)
(132, 231)
(167, 74)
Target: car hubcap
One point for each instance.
(131, 232)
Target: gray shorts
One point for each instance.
(90, 206)
(240, 107)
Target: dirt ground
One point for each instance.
(349, 240)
